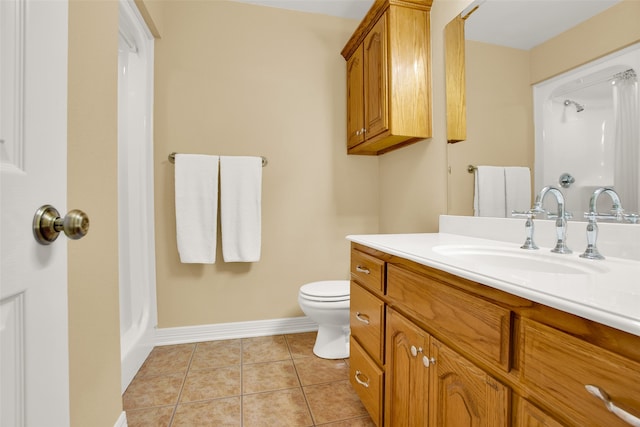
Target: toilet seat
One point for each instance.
(326, 291)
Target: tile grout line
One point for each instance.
(295, 368)
(242, 340)
(184, 381)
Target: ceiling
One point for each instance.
(524, 24)
(353, 9)
(520, 24)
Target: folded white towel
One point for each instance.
(240, 208)
(196, 184)
(489, 197)
(517, 181)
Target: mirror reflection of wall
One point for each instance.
(499, 80)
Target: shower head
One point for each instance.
(579, 107)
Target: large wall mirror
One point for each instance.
(513, 49)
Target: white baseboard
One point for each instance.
(122, 420)
(225, 331)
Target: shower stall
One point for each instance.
(138, 312)
(587, 131)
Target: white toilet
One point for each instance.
(327, 304)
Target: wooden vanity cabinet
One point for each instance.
(453, 352)
(429, 384)
(389, 77)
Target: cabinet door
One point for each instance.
(407, 378)
(355, 94)
(463, 395)
(530, 415)
(376, 102)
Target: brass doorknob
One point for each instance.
(47, 224)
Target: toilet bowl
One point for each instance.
(327, 304)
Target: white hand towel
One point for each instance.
(517, 189)
(489, 197)
(196, 182)
(240, 208)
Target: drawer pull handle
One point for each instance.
(363, 318)
(361, 382)
(602, 395)
(361, 269)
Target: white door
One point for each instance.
(34, 358)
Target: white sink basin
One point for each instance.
(521, 259)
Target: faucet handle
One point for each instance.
(531, 213)
(528, 226)
(615, 215)
(592, 236)
(567, 215)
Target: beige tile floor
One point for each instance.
(265, 381)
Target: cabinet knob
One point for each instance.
(415, 350)
(426, 361)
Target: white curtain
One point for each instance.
(627, 141)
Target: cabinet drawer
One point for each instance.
(367, 321)
(556, 367)
(467, 321)
(367, 380)
(367, 270)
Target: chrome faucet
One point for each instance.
(561, 217)
(617, 214)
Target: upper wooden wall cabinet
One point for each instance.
(389, 77)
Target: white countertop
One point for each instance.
(606, 291)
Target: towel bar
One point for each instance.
(172, 159)
(471, 169)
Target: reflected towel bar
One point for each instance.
(172, 159)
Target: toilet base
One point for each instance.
(332, 342)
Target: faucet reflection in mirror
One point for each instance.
(587, 125)
(617, 213)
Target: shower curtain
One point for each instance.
(627, 141)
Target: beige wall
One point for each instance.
(413, 180)
(94, 340)
(237, 79)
